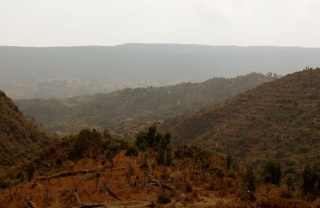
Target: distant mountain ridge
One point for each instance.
(279, 119)
(62, 72)
(19, 138)
(112, 109)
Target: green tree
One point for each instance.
(249, 184)
(31, 171)
(149, 139)
(310, 181)
(272, 173)
(132, 150)
(290, 182)
(113, 149)
(88, 142)
(141, 140)
(59, 162)
(165, 154)
(229, 162)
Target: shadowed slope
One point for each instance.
(276, 119)
(18, 136)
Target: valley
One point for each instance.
(252, 148)
(101, 111)
(160, 104)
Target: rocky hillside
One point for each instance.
(19, 137)
(276, 119)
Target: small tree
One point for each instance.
(59, 162)
(229, 162)
(113, 149)
(220, 175)
(249, 184)
(310, 181)
(165, 155)
(98, 175)
(132, 151)
(273, 172)
(88, 141)
(31, 171)
(290, 182)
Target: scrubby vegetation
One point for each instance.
(19, 137)
(257, 155)
(278, 119)
(131, 105)
(149, 171)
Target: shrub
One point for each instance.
(59, 162)
(164, 198)
(31, 171)
(189, 187)
(132, 151)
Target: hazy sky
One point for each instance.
(113, 22)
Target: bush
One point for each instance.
(189, 187)
(31, 171)
(164, 198)
(282, 203)
(59, 161)
(132, 151)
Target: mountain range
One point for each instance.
(63, 72)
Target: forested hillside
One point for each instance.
(279, 119)
(272, 129)
(131, 105)
(19, 138)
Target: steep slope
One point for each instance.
(276, 119)
(18, 137)
(62, 72)
(109, 110)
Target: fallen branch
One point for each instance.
(72, 173)
(105, 188)
(158, 183)
(30, 203)
(90, 205)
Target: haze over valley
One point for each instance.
(160, 103)
(63, 72)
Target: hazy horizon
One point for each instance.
(37, 23)
(187, 44)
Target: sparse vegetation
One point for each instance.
(75, 170)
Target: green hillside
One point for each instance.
(131, 105)
(19, 138)
(278, 119)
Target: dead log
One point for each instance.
(73, 173)
(158, 183)
(76, 195)
(91, 205)
(30, 203)
(105, 188)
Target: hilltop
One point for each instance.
(19, 137)
(278, 119)
(64, 72)
(132, 105)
